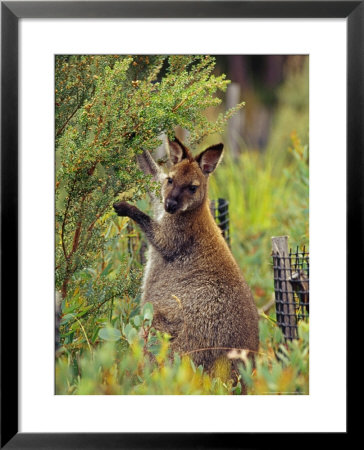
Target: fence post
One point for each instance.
(285, 302)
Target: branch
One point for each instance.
(64, 219)
(67, 121)
(97, 307)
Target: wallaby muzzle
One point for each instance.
(171, 205)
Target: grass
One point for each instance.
(266, 199)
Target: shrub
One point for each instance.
(107, 110)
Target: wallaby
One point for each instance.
(198, 292)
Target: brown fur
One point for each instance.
(198, 292)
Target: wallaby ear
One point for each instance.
(210, 158)
(177, 151)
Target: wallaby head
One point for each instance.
(185, 187)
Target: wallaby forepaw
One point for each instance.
(122, 208)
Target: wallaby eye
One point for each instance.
(169, 180)
(193, 189)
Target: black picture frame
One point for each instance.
(11, 12)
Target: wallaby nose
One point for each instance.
(171, 205)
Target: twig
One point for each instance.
(90, 311)
(265, 308)
(84, 332)
(64, 219)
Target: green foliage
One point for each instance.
(298, 179)
(134, 359)
(280, 367)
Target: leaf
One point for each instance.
(100, 171)
(61, 197)
(107, 269)
(237, 389)
(126, 329)
(132, 335)
(65, 319)
(148, 311)
(95, 335)
(137, 321)
(109, 334)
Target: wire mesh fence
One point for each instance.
(291, 286)
(220, 211)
